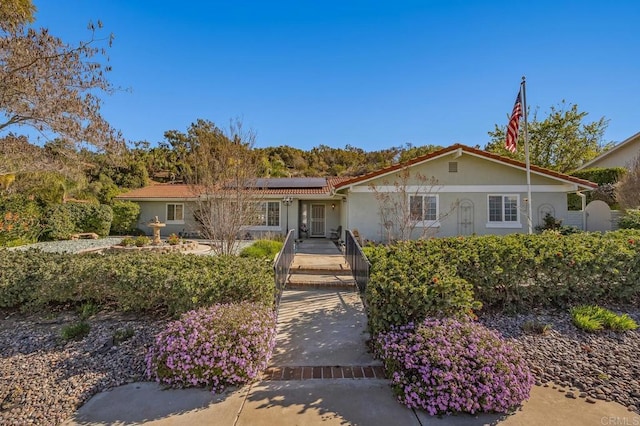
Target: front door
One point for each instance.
(317, 220)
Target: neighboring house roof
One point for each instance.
(161, 191)
(267, 186)
(635, 139)
(472, 151)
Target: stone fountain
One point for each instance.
(156, 225)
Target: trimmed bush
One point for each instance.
(133, 281)
(125, 217)
(59, 225)
(63, 220)
(262, 249)
(630, 220)
(224, 345)
(141, 241)
(128, 242)
(510, 273)
(450, 366)
(408, 284)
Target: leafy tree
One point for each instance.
(45, 187)
(562, 141)
(14, 13)
(49, 85)
(409, 152)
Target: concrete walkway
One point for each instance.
(320, 373)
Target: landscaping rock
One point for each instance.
(43, 379)
(600, 365)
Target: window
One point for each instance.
(268, 214)
(423, 208)
(453, 166)
(503, 211)
(175, 213)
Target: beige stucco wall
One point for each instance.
(475, 179)
(150, 209)
(621, 157)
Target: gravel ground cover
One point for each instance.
(44, 379)
(71, 246)
(78, 246)
(589, 366)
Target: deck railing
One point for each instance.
(282, 264)
(357, 260)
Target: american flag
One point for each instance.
(514, 123)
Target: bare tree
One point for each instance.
(51, 86)
(628, 188)
(222, 173)
(407, 205)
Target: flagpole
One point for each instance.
(526, 156)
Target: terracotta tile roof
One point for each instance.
(478, 152)
(182, 191)
(159, 191)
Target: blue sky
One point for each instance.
(365, 73)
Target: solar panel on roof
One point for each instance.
(282, 183)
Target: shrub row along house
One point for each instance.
(458, 190)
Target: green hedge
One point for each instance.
(630, 220)
(125, 217)
(63, 220)
(139, 282)
(409, 283)
(506, 273)
(601, 175)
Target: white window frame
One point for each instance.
(266, 226)
(504, 223)
(426, 223)
(174, 220)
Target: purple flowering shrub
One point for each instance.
(219, 346)
(446, 366)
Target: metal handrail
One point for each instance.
(357, 260)
(282, 264)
